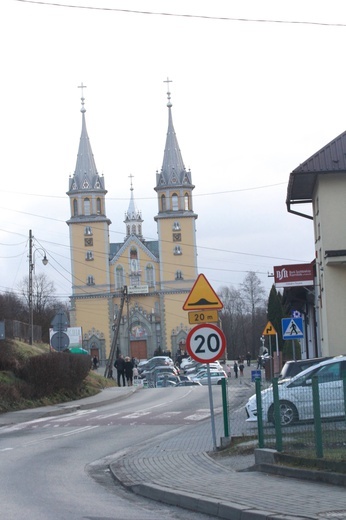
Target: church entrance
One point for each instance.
(138, 349)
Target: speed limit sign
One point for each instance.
(206, 343)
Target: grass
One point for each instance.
(13, 391)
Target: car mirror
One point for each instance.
(308, 382)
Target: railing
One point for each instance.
(15, 329)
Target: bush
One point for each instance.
(51, 373)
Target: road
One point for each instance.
(57, 467)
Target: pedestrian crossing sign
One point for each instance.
(292, 328)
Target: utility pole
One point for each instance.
(31, 310)
(110, 362)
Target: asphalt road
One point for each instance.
(57, 467)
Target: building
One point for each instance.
(320, 181)
(137, 287)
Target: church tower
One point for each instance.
(89, 243)
(177, 235)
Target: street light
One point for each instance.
(31, 269)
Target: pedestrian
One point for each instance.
(248, 359)
(228, 370)
(95, 362)
(135, 375)
(241, 369)
(120, 366)
(128, 371)
(259, 362)
(235, 368)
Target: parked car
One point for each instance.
(216, 377)
(198, 366)
(292, 368)
(295, 394)
(166, 379)
(189, 383)
(164, 383)
(156, 371)
(154, 362)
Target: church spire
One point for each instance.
(85, 177)
(133, 217)
(173, 172)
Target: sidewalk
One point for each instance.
(180, 472)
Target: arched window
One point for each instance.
(75, 208)
(98, 206)
(88, 230)
(163, 203)
(128, 229)
(119, 277)
(176, 226)
(86, 206)
(91, 280)
(133, 231)
(186, 202)
(179, 275)
(175, 202)
(177, 250)
(149, 274)
(89, 255)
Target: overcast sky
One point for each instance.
(251, 101)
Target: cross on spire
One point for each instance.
(168, 81)
(82, 98)
(131, 177)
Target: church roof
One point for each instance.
(85, 177)
(151, 247)
(173, 171)
(330, 159)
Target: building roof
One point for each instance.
(173, 171)
(85, 177)
(330, 159)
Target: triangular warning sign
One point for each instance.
(293, 329)
(202, 296)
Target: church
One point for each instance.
(132, 292)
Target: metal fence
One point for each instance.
(311, 423)
(15, 329)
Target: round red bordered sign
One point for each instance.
(205, 343)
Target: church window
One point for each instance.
(186, 202)
(86, 206)
(98, 206)
(88, 230)
(119, 277)
(75, 207)
(134, 266)
(163, 203)
(91, 280)
(175, 202)
(176, 226)
(179, 275)
(139, 229)
(133, 229)
(89, 255)
(177, 250)
(128, 229)
(149, 272)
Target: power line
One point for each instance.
(186, 15)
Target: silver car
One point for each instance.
(295, 394)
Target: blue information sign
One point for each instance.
(292, 328)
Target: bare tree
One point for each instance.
(253, 293)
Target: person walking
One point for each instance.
(235, 368)
(120, 366)
(95, 363)
(248, 359)
(241, 369)
(128, 366)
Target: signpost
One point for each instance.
(205, 342)
(292, 328)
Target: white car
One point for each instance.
(295, 394)
(202, 366)
(216, 377)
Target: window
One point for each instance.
(175, 202)
(98, 206)
(86, 206)
(90, 280)
(176, 226)
(179, 275)
(75, 208)
(163, 203)
(89, 255)
(186, 202)
(177, 250)
(149, 273)
(119, 277)
(88, 230)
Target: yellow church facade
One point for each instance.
(132, 291)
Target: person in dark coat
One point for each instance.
(248, 359)
(128, 371)
(235, 368)
(120, 366)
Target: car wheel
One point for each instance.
(288, 413)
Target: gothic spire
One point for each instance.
(133, 217)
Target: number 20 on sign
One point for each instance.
(206, 343)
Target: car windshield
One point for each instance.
(325, 373)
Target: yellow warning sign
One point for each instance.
(207, 316)
(202, 296)
(269, 330)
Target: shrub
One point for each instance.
(51, 373)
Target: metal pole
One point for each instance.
(31, 310)
(211, 404)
